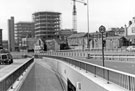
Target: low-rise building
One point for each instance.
(78, 41)
(28, 44)
(23, 30)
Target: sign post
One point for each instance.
(102, 30)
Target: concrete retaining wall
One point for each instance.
(67, 72)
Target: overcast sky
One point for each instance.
(110, 13)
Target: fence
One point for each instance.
(110, 75)
(107, 56)
(7, 81)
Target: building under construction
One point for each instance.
(46, 24)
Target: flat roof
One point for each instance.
(43, 12)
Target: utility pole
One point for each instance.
(75, 14)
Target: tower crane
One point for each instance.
(75, 13)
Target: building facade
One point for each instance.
(5, 44)
(11, 39)
(65, 33)
(1, 44)
(46, 24)
(28, 44)
(23, 30)
(78, 41)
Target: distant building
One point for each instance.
(5, 44)
(28, 44)
(23, 30)
(53, 44)
(46, 24)
(78, 41)
(131, 28)
(1, 44)
(65, 33)
(40, 45)
(11, 39)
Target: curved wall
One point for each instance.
(66, 72)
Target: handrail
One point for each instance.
(120, 78)
(7, 81)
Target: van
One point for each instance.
(6, 58)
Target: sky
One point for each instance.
(110, 13)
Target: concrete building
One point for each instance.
(65, 33)
(28, 44)
(23, 30)
(1, 44)
(5, 44)
(78, 41)
(11, 40)
(46, 24)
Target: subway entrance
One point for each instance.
(70, 86)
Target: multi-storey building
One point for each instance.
(5, 44)
(46, 24)
(11, 39)
(1, 39)
(23, 30)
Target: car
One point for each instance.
(6, 58)
(131, 48)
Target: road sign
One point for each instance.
(102, 29)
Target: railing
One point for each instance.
(7, 81)
(122, 79)
(84, 54)
(92, 50)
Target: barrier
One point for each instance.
(108, 56)
(122, 79)
(7, 81)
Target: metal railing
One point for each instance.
(7, 81)
(107, 56)
(120, 78)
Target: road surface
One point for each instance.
(41, 78)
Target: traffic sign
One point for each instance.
(102, 29)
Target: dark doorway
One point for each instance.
(70, 86)
(45, 47)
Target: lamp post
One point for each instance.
(88, 46)
(102, 30)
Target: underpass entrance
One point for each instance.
(70, 86)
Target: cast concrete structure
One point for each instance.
(11, 40)
(23, 30)
(1, 38)
(46, 24)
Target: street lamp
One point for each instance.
(102, 31)
(88, 46)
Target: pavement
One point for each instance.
(41, 78)
(5, 70)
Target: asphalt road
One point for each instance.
(41, 78)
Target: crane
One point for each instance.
(75, 13)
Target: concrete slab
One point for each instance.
(41, 78)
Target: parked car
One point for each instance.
(6, 58)
(131, 48)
